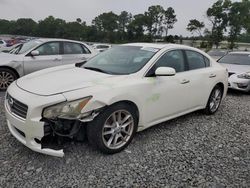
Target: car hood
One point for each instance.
(232, 68)
(60, 79)
(6, 57)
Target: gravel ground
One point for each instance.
(191, 151)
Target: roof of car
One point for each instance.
(158, 45)
(240, 52)
(55, 39)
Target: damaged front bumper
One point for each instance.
(33, 129)
(29, 134)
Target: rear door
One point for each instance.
(75, 53)
(201, 78)
(49, 56)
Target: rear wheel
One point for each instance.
(113, 129)
(7, 76)
(214, 100)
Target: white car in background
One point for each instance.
(101, 47)
(2, 44)
(39, 54)
(238, 65)
(126, 89)
(217, 53)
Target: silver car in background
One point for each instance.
(39, 54)
(238, 65)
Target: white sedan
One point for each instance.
(112, 96)
(238, 65)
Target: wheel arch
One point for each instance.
(12, 69)
(132, 104)
(221, 85)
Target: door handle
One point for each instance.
(57, 59)
(212, 75)
(185, 81)
(83, 58)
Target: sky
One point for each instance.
(87, 10)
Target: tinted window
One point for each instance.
(1, 42)
(73, 48)
(173, 59)
(238, 59)
(51, 48)
(195, 60)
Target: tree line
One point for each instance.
(227, 20)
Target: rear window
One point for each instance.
(237, 59)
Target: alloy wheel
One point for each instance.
(6, 78)
(118, 129)
(215, 100)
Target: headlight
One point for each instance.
(67, 110)
(244, 75)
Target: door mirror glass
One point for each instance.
(35, 53)
(165, 71)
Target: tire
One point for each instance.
(7, 76)
(111, 134)
(214, 100)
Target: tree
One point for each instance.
(218, 16)
(25, 26)
(246, 15)
(51, 27)
(79, 20)
(5, 26)
(124, 19)
(169, 19)
(136, 28)
(154, 17)
(235, 22)
(195, 26)
(108, 24)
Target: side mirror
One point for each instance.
(165, 71)
(80, 64)
(35, 53)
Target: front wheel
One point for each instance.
(214, 100)
(7, 76)
(113, 129)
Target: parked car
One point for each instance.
(101, 47)
(238, 65)
(2, 43)
(40, 54)
(217, 53)
(112, 96)
(10, 48)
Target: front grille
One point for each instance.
(16, 107)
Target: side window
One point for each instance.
(1, 42)
(173, 59)
(50, 48)
(74, 48)
(196, 60)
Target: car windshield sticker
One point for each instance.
(150, 49)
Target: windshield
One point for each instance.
(238, 59)
(121, 60)
(29, 45)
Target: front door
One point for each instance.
(49, 56)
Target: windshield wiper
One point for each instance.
(96, 69)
